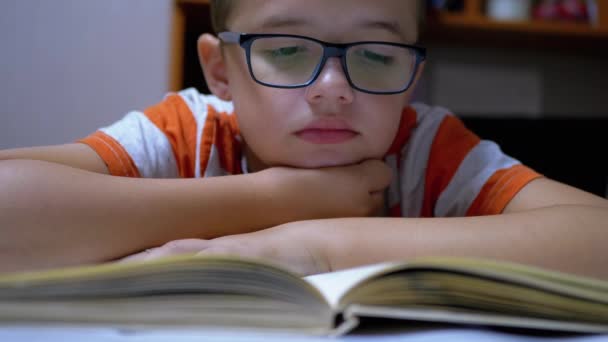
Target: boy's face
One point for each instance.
(327, 123)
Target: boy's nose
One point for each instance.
(331, 85)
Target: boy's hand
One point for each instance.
(345, 191)
(298, 246)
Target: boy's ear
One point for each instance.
(213, 64)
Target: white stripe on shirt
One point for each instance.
(198, 104)
(417, 151)
(477, 167)
(146, 144)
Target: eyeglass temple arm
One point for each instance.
(230, 37)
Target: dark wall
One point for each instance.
(573, 151)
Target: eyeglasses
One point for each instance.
(291, 61)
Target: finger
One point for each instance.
(217, 250)
(185, 246)
(141, 256)
(377, 199)
(376, 174)
(231, 249)
(176, 247)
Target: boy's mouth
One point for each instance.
(326, 136)
(327, 131)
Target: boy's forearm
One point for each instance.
(566, 238)
(53, 215)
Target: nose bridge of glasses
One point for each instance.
(331, 51)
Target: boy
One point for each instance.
(322, 129)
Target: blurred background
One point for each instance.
(529, 74)
(70, 66)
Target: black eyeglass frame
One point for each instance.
(245, 40)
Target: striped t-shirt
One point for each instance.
(440, 168)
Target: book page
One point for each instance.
(191, 290)
(456, 316)
(334, 285)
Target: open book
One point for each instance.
(222, 291)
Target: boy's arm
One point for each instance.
(76, 155)
(547, 224)
(54, 215)
(565, 237)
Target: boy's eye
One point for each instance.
(375, 57)
(287, 51)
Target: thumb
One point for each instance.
(376, 174)
(377, 201)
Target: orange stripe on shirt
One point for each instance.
(207, 139)
(406, 124)
(451, 145)
(408, 121)
(500, 189)
(221, 130)
(174, 118)
(115, 157)
(228, 147)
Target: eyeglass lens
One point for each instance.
(290, 61)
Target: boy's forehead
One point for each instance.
(335, 20)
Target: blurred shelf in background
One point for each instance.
(467, 22)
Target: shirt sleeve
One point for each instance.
(158, 142)
(461, 174)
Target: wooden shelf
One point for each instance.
(564, 29)
(472, 27)
(190, 19)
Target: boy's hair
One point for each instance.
(220, 9)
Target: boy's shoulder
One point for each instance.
(427, 112)
(199, 103)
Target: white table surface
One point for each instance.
(36, 333)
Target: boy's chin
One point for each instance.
(318, 164)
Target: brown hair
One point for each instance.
(220, 9)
